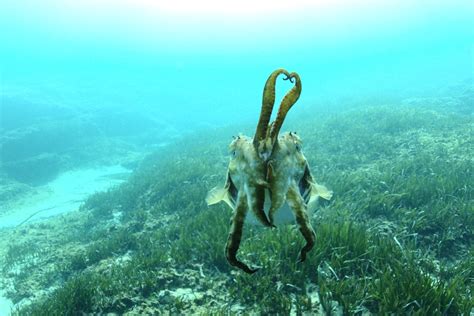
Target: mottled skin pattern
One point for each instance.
(247, 173)
(244, 189)
(268, 162)
(290, 181)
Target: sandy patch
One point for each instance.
(63, 194)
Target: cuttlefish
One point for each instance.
(269, 163)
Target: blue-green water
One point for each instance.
(211, 58)
(137, 101)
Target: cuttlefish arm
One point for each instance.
(278, 187)
(268, 101)
(256, 203)
(297, 205)
(238, 201)
(235, 235)
(302, 200)
(288, 101)
(279, 165)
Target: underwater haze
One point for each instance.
(209, 58)
(115, 123)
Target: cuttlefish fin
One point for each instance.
(317, 191)
(312, 191)
(217, 195)
(321, 191)
(227, 194)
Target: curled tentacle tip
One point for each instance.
(301, 258)
(247, 269)
(288, 77)
(272, 225)
(265, 221)
(242, 266)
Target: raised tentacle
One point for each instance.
(268, 102)
(288, 101)
(296, 203)
(235, 235)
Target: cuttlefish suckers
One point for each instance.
(273, 164)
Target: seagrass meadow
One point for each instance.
(396, 238)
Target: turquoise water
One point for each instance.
(108, 97)
(212, 58)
